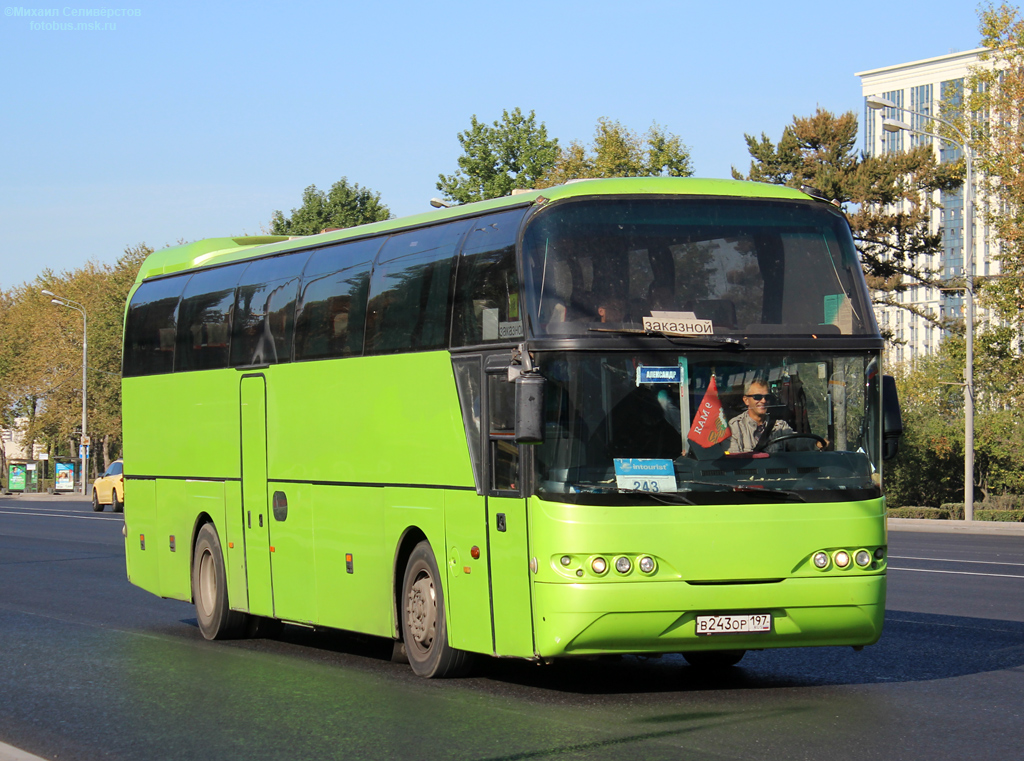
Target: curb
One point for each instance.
(955, 527)
(10, 753)
(70, 497)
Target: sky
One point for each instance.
(177, 121)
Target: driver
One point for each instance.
(748, 427)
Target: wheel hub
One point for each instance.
(421, 611)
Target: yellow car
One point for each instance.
(108, 489)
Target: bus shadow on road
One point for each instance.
(914, 647)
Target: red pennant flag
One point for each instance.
(709, 426)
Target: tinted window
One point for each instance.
(714, 265)
(409, 290)
(149, 329)
(204, 319)
(487, 293)
(265, 310)
(332, 308)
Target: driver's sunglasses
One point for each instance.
(759, 397)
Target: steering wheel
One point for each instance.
(788, 436)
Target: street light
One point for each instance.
(894, 125)
(64, 302)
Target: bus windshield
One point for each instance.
(693, 265)
(709, 427)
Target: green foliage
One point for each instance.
(619, 152)
(1003, 516)
(887, 198)
(992, 116)
(931, 513)
(41, 356)
(930, 466)
(343, 206)
(511, 153)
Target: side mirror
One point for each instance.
(530, 408)
(892, 418)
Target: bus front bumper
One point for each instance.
(659, 617)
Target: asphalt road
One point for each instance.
(93, 668)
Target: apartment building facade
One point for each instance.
(921, 87)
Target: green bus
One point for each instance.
(615, 416)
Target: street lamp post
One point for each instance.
(894, 125)
(64, 302)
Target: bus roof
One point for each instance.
(221, 250)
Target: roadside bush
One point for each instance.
(1004, 516)
(1003, 502)
(935, 513)
(955, 509)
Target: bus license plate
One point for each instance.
(755, 622)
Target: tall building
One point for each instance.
(922, 86)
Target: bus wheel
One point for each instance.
(96, 506)
(115, 504)
(710, 660)
(423, 625)
(210, 589)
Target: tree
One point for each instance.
(993, 117)
(41, 356)
(496, 159)
(888, 198)
(343, 206)
(929, 469)
(617, 151)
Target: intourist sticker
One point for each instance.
(642, 474)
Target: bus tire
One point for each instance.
(712, 660)
(96, 506)
(115, 504)
(210, 589)
(423, 621)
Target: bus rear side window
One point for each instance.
(265, 309)
(150, 327)
(410, 288)
(204, 319)
(332, 307)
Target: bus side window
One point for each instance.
(204, 319)
(331, 313)
(467, 380)
(487, 291)
(264, 310)
(150, 327)
(410, 290)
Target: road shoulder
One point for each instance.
(955, 527)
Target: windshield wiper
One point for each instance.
(718, 342)
(667, 497)
(751, 489)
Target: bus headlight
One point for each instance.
(820, 559)
(599, 565)
(842, 559)
(646, 564)
(622, 564)
(862, 558)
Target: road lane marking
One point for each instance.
(948, 560)
(59, 515)
(958, 573)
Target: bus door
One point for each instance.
(255, 518)
(507, 525)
